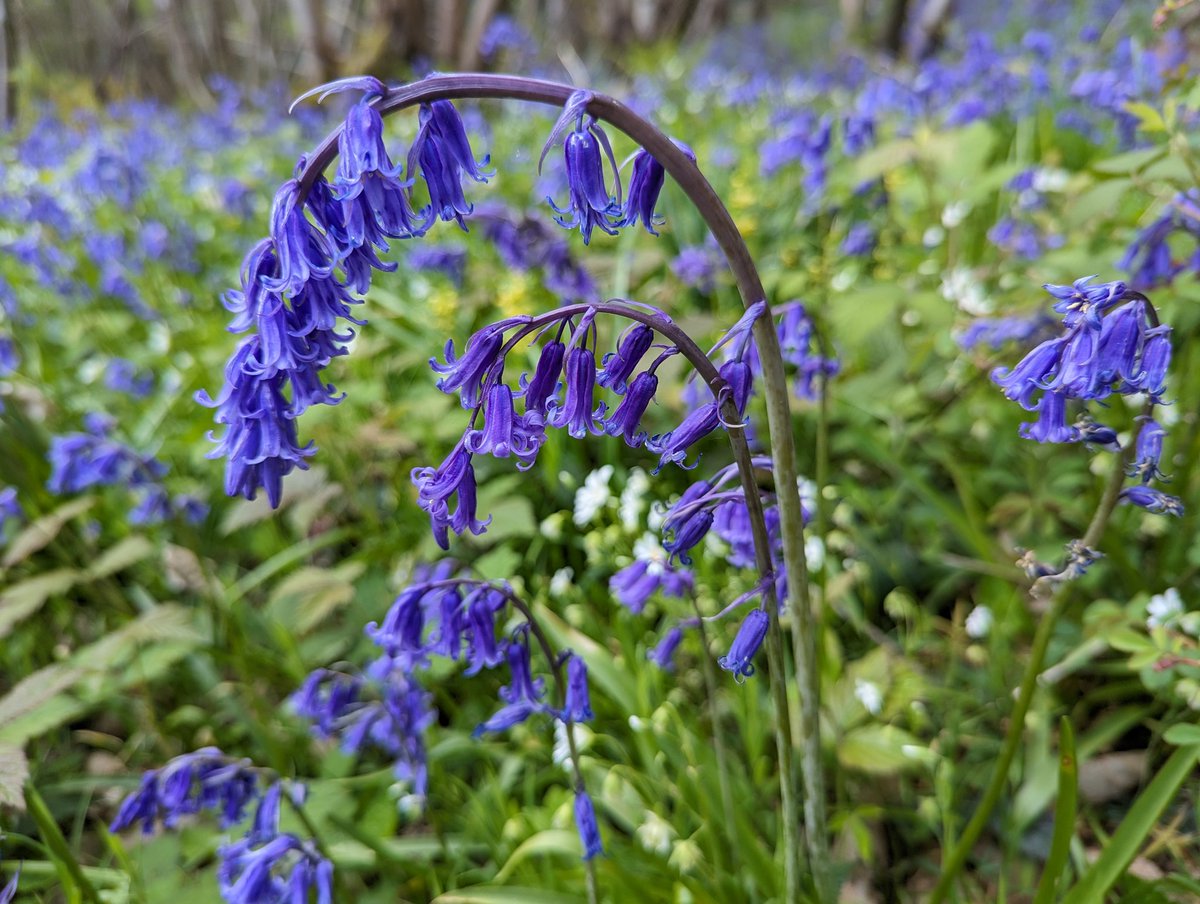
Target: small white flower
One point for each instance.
(655, 834)
(955, 213)
(1162, 608)
(961, 287)
(561, 582)
(814, 552)
(647, 548)
(842, 280)
(869, 695)
(658, 514)
(933, 236)
(1050, 178)
(593, 496)
(979, 622)
(632, 498)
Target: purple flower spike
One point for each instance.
(746, 644)
(585, 822)
(627, 417)
(506, 433)
(368, 84)
(1051, 425)
(618, 365)
(578, 707)
(435, 486)
(576, 412)
(1153, 500)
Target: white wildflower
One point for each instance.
(655, 834)
(961, 287)
(561, 582)
(979, 622)
(955, 213)
(593, 496)
(869, 695)
(632, 498)
(1163, 608)
(933, 236)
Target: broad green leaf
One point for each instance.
(14, 773)
(1130, 161)
(1182, 735)
(1149, 119)
(554, 842)
(22, 600)
(42, 531)
(117, 558)
(1128, 641)
(307, 596)
(882, 750)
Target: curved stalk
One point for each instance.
(702, 195)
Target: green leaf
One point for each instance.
(14, 773)
(22, 600)
(309, 595)
(558, 842)
(1135, 828)
(69, 869)
(1128, 641)
(882, 750)
(1064, 814)
(1182, 735)
(488, 894)
(128, 552)
(1130, 161)
(42, 531)
(1149, 119)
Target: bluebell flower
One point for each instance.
(686, 532)
(445, 259)
(997, 331)
(284, 870)
(522, 696)
(205, 779)
(645, 185)
(1156, 357)
(584, 149)
(466, 374)
(1121, 337)
(1051, 425)
(1097, 435)
(626, 418)
(1148, 258)
(541, 390)
(673, 446)
(1152, 500)
(663, 653)
(1080, 302)
(1028, 377)
(576, 412)
(303, 252)
(9, 359)
(80, 461)
(153, 506)
(10, 507)
(696, 266)
(585, 822)
(444, 155)
(505, 432)
(124, 376)
(9, 891)
(859, 241)
(1148, 452)
(482, 650)
(746, 644)
(650, 572)
(631, 348)
(454, 477)
(578, 704)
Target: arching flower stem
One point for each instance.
(692, 181)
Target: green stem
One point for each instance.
(953, 864)
(710, 683)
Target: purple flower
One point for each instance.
(482, 650)
(10, 889)
(522, 697)
(746, 644)
(1148, 452)
(284, 869)
(10, 506)
(618, 365)
(649, 573)
(303, 252)
(686, 532)
(541, 390)
(445, 259)
(663, 654)
(626, 418)
(466, 374)
(578, 706)
(576, 412)
(1121, 336)
(859, 241)
(645, 185)
(1156, 357)
(997, 331)
(1080, 302)
(1021, 382)
(1051, 425)
(585, 822)
(589, 203)
(1153, 500)
(454, 477)
(506, 433)
(696, 266)
(205, 779)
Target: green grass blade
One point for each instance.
(1137, 824)
(1064, 814)
(56, 845)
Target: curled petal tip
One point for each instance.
(367, 84)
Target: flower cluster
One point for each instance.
(83, 460)
(266, 866)
(561, 393)
(1112, 343)
(1149, 259)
